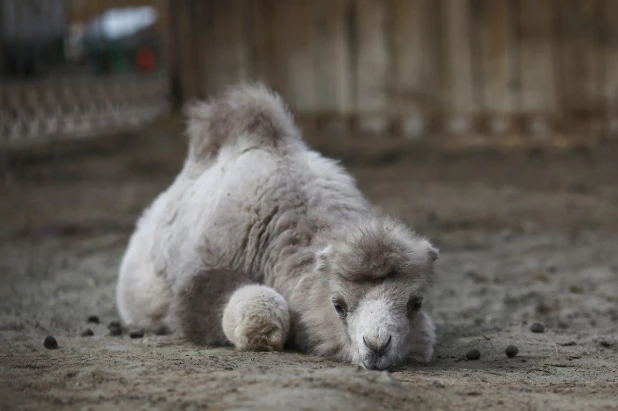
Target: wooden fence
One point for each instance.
(41, 111)
(533, 67)
(50, 92)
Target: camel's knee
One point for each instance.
(143, 298)
(256, 318)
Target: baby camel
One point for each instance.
(263, 243)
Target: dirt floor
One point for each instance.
(525, 237)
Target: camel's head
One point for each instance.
(378, 276)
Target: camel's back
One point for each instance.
(250, 195)
(250, 202)
(250, 187)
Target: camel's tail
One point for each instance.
(247, 111)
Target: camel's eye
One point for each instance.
(341, 308)
(414, 305)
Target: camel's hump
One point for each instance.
(250, 111)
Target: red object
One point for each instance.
(146, 59)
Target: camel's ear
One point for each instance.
(432, 251)
(322, 257)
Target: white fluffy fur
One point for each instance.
(253, 198)
(256, 318)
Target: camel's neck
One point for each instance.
(290, 256)
(315, 325)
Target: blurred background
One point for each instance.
(500, 72)
(506, 69)
(371, 82)
(74, 68)
(491, 126)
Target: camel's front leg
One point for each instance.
(221, 306)
(256, 318)
(422, 338)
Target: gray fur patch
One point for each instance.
(246, 111)
(201, 303)
(377, 249)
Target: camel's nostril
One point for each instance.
(385, 345)
(372, 347)
(378, 348)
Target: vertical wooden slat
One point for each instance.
(266, 43)
(436, 59)
(578, 59)
(204, 47)
(410, 58)
(332, 59)
(458, 81)
(248, 46)
(296, 23)
(497, 62)
(185, 57)
(229, 64)
(599, 36)
(610, 62)
(2, 53)
(538, 82)
(166, 54)
(169, 53)
(372, 66)
(199, 46)
(414, 75)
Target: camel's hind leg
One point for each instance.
(143, 297)
(219, 306)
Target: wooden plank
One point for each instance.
(460, 101)
(538, 98)
(182, 24)
(413, 72)
(229, 64)
(435, 63)
(168, 53)
(333, 65)
(610, 63)
(578, 59)
(267, 51)
(372, 65)
(203, 46)
(497, 54)
(296, 22)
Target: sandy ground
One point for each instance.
(525, 237)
